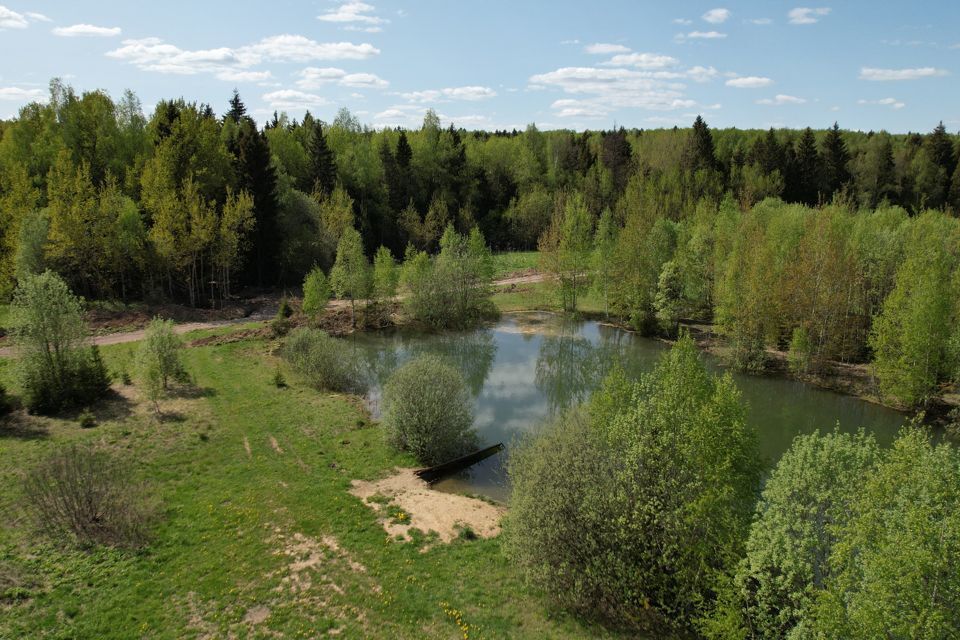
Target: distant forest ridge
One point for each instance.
(187, 203)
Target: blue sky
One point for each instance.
(503, 64)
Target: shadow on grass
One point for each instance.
(22, 426)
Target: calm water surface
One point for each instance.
(530, 365)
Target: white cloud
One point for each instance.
(603, 48)
(682, 21)
(20, 94)
(469, 93)
(781, 99)
(86, 30)
(153, 54)
(642, 61)
(353, 12)
(411, 116)
(806, 15)
(10, 19)
(884, 75)
(293, 99)
(760, 21)
(749, 82)
(700, 35)
(230, 75)
(601, 91)
(39, 17)
(716, 16)
(364, 81)
(316, 77)
(893, 103)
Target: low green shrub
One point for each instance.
(328, 364)
(428, 411)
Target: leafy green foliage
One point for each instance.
(316, 292)
(807, 497)
(57, 370)
(326, 363)
(427, 411)
(896, 562)
(351, 276)
(453, 289)
(159, 359)
(635, 510)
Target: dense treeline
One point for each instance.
(833, 245)
(189, 204)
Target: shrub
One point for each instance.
(278, 380)
(808, 495)
(328, 364)
(428, 411)
(57, 370)
(453, 290)
(633, 509)
(280, 325)
(158, 360)
(88, 495)
(87, 420)
(316, 292)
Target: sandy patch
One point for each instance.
(257, 615)
(426, 509)
(246, 446)
(275, 445)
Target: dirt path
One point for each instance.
(134, 336)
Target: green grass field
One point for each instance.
(511, 262)
(541, 296)
(240, 548)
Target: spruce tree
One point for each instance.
(404, 152)
(323, 166)
(835, 161)
(941, 149)
(806, 169)
(256, 176)
(699, 152)
(238, 111)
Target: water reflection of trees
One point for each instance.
(471, 353)
(569, 366)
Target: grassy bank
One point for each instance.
(258, 534)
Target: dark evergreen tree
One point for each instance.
(323, 165)
(616, 155)
(768, 154)
(941, 149)
(699, 153)
(256, 176)
(404, 152)
(805, 176)
(835, 161)
(886, 173)
(238, 111)
(955, 190)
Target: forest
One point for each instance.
(832, 244)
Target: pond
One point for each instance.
(530, 365)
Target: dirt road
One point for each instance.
(134, 336)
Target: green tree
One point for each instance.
(911, 334)
(351, 276)
(316, 292)
(158, 360)
(385, 275)
(566, 250)
(787, 564)
(896, 561)
(57, 369)
(605, 531)
(835, 160)
(669, 302)
(428, 411)
(604, 246)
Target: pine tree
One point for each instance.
(238, 111)
(806, 172)
(699, 152)
(404, 152)
(835, 161)
(941, 149)
(323, 166)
